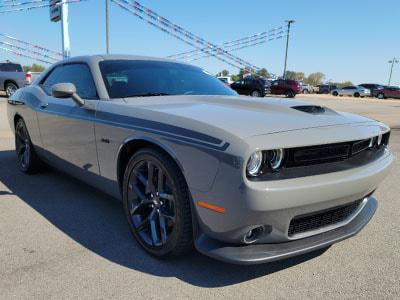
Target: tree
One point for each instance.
(225, 72)
(292, 75)
(315, 78)
(34, 68)
(342, 84)
(263, 73)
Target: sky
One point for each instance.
(344, 39)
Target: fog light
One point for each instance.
(256, 233)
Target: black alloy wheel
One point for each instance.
(156, 203)
(27, 160)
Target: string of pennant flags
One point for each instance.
(26, 49)
(249, 41)
(29, 5)
(202, 47)
(149, 22)
(138, 9)
(24, 55)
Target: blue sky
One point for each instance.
(346, 40)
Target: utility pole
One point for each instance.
(64, 29)
(289, 22)
(393, 61)
(107, 30)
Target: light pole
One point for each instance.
(392, 62)
(289, 22)
(64, 29)
(107, 30)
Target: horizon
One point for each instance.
(353, 44)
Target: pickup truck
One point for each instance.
(12, 77)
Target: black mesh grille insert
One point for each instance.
(323, 218)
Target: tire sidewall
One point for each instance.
(177, 232)
(8, 85)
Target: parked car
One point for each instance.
(241, 180)
(387, 92)
(356, 91)
(226, 79)
(12, 77)
(325, 88)
(287, 87)
(307, 89)
(253, 86)
(371, 86)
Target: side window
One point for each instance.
(78, 74)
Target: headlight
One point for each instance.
(275, 158)
(254, 165)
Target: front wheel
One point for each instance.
(255, 93)
(335, 93)
(356, 95)
(381, 96)
(157, 204)
(27, 160)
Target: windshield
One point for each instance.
(140, 78)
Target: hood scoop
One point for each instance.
(310, 109)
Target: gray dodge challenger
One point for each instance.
(240, 179)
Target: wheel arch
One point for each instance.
(133, 144)
(9, 81)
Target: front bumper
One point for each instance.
(263, 253)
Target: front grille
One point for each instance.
(323, 218)
(319, 154)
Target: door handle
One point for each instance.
(44, 105)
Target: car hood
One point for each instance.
(241, 116)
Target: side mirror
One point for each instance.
(66, 90)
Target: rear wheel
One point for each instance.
(381, 96)
(10, 89)
(27, 160)
(255, 93)
(157, 204)
(290, 94)
(356, 94)
(335, 93)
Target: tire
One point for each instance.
(335, 94)
(27, 160)
(356, 94)
(305, 91)
(10, 89)
(255, 93)
(158, 213)
(290, 94)
(381, 96)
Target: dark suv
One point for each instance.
(290, 88)
(252, 86)
(326, 88)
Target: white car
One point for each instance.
(226, 79)
(356, 91)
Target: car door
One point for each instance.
(66, 129)
(238, 86)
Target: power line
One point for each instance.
(36, 5)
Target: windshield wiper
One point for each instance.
(148, 95)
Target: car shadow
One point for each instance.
(96, 221)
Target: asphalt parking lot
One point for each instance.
(62, 239)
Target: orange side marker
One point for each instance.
(212, 207)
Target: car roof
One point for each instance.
(102, 57)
